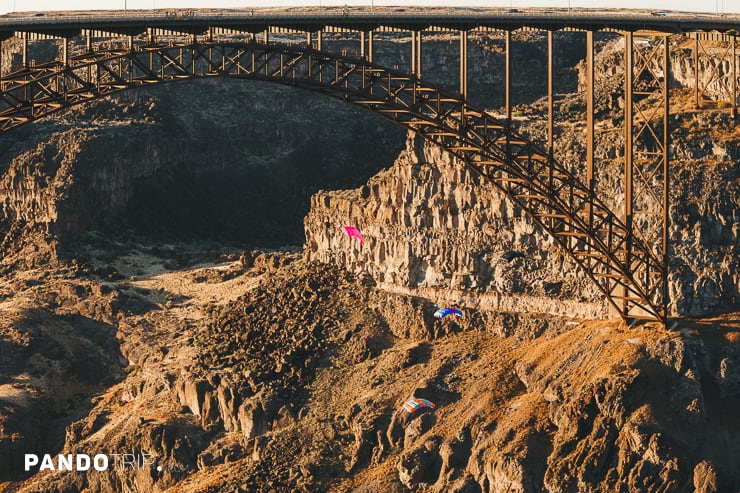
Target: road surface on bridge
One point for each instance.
(367, 18)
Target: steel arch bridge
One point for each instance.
(625, 252)
(624, 267)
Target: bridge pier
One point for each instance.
(697, 104)
(464, 63)
(507, 78)
(366, 45)
(590, 122)
(550, 112)
(666, 176)
(734, 76)
(725, 93)
(507, 86)
(628, 157)
(24, 52)
(65, 51)
(416, 53)
(643, 166)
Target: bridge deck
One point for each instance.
(68, 24)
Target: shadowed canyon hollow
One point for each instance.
(176, 292)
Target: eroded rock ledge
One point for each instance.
(434, 228)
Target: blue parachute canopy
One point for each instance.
(443, 312)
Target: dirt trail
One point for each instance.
(186, 292)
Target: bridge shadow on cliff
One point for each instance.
(226, 166)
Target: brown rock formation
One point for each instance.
(434, 227)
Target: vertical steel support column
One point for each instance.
(666, 175)
(413, 52)
(131, 62)
(65, 61)
(319, 39)
(192, 55)
(88, 49)
(464, 64)
(267, 35)
(734, 76)
(696, 71)
(550, 113)
(507, 84)
(628, 154)
(309, 41)
(24, 62)
(590, 122)
(369, 36)
(507, 81)
(417, 68)
(362, 44)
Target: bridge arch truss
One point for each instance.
(623, 252)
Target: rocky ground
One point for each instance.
(261, 371)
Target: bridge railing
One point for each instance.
(49, 19)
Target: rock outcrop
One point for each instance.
(433, 226)
(299, 384)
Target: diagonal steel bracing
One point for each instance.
(716, 84)
(625, 266)
(646, 164)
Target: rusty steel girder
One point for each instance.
(622, 264)
(717, 86)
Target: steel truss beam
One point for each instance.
(646, 184)
(624, 265)
(719, 52)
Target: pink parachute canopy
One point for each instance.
(353, 232)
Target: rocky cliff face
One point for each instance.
(240, 166)
(431, 225)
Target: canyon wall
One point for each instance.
(433, 225)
